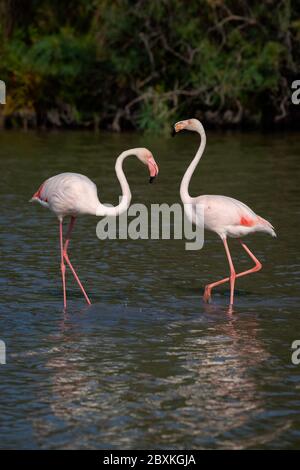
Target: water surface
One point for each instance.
(148, 365)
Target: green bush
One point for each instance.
(141, 65)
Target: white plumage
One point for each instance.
(229, 217)
(68, 194)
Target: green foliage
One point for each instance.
(154, 115)
(144, 64)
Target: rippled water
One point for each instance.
(148, 365)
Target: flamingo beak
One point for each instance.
(153, 169)
(179, 126)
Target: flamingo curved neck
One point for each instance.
(184, 187)
(102, 209)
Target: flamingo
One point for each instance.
(225, 216)
(73, 194)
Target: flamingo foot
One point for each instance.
(207, 294)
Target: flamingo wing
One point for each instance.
(68, 194)
(230, 217)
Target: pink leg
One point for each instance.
(257, 267)
(66, 257)
(62, 264)
(232, 271)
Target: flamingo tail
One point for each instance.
(267, 227)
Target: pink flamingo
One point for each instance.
(72, 194)
(223, 215)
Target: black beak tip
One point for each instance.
(173, 132)
(151, 179)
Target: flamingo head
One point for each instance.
(188, 124)
(146, 157)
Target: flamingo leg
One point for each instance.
(232, 271)
(66, 257)
(256, 267)
(62, 264)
